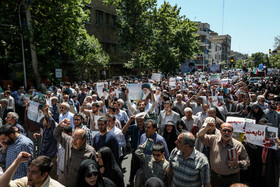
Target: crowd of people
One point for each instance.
(176, 134)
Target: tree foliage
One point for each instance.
(58, 32)
(257, 58)
(157, 38)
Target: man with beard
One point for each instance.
(13, 143)
(225, 168)
(106, 138)
(272, 114)
(38, 174)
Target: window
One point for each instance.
(107, 19)
(114, 21)
(99, 18)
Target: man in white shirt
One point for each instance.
(65, 113)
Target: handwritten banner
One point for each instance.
(238, 124)
(261, 135)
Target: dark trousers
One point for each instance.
(224, 180)
(135, 165)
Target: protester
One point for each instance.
(90, 176)
(109, 167)
(38, 174)
(12, 143)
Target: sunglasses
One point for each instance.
(62, 107)
(90, 174)
(156, 155)
(227, 130)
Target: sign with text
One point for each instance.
(239, 123)
(216, 100)
(172, 82)
(261, 135)
(215, 79)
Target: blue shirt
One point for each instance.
(22, 143)
(135, 135)
(157, 138)
(122, 116)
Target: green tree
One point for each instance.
(239, 64)
(174, 39)
(258, 58)
(155, 38)
(58, 32)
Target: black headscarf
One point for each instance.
(112, 169)
(257, 116)
(84, 167)
(171, 137)
(180, 122)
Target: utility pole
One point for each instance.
(32, 46)
(22, 48)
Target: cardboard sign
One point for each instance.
(261, 135)
(99, 89)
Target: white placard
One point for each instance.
(58, 73)
(172, 82)
(261, 135)
(135, 91)
(238, 123)
(156, 77)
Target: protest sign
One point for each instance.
(156, 77)
(172, 82)
(238, 123)
(215, 68)
(99, 89)
(261, 135)
(215, 79)
(39, 98)
(35, 111)
(216, 100)
(135, 91)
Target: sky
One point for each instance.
(252, 24)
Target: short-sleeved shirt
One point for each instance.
(191, 172)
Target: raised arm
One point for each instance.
(8, 174)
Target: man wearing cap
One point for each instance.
(106, 138)
(225, 165)
(135, 131)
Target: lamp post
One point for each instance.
(22, 46)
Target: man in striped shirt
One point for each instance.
(187, 166)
